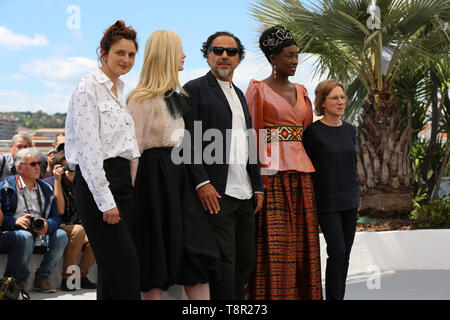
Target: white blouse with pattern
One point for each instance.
(99, 126)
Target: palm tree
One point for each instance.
(367, 45)
(422, 87)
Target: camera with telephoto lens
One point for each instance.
(36, 224)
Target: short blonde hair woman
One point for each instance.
(331, 145)
(172, 236)
(322, 91)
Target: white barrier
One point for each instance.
(386, 251)
(55, 277)
(397, 250)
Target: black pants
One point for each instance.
(115, 254)
(339, 232)
(234, 230)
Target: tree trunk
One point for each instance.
(383, 161)
(441, 172)
(431, 182)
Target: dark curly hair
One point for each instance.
(206, 45)
(113, 34)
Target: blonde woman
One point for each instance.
(172, 235)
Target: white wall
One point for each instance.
(398, 250)
(386, 251)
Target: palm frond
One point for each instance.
(336, 32)
(356, 93)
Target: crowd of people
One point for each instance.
(39, 217)
(242, 212)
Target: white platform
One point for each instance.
(398, 250)
(387, 257)
(383, 265)
(55, 277)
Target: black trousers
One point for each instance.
(113, 247)
(234, 230)
(339, 232)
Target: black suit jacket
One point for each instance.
(210, 106)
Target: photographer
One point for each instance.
(61, 181)
(48, 163)
(18, 142)
(30, 223)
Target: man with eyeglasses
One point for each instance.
(18, 142)
(30, 223)
(228, 185)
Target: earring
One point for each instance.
(274, 72)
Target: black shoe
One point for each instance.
(23, 284)
(87, 284)
(64, 286)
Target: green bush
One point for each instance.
(427, 164)
(433, 214)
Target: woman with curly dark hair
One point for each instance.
(101, 141)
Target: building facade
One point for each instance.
(8, 127)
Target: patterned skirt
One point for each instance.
(287, 241)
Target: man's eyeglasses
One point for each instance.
(218, 51)
(33, 164)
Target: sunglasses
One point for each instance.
(218, 51)
(33, 164)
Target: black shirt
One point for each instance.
(332, 151)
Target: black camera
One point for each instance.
(36, 224)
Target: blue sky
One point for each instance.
(47, 45)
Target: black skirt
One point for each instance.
(174, 241)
